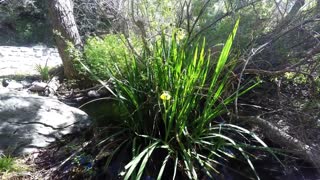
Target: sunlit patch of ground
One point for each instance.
(23, 60)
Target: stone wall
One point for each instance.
(23, 60)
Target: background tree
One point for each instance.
(65, 32)
(24, 22)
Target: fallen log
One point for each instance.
(278, 136)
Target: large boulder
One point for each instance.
(29, 122)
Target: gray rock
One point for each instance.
(38, 86)
(26, 84)
(29, 122)
(54, 84)
(93, 93)
(14, 85)
(5, 82)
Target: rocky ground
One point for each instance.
(31, 116)
(23, 60)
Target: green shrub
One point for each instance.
(172, 106)
(108, 53)
(43, 71)
(6, 163)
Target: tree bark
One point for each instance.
(65, 30)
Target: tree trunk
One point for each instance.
(65, 30)
(289, 17)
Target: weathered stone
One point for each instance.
(26, 84)
(38, 86)
(93, 93)
(29, 122)
(14, 85)
(5, 82)
(54, 84)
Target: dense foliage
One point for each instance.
(172, 94)
(174, 82)
(102, 54)
(24, 23)
(171, 104)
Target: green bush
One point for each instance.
(108, 53)
(172, 103)
(6, 163)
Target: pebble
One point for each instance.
(93, 93)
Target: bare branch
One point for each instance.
(220, 18)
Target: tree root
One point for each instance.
(277, 136)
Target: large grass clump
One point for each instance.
(171, 108)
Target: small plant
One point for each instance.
(6, 163)
(296, 78)
(43, 71)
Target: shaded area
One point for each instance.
(29, 122)
(24, 23)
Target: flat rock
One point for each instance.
(29, 122)
(38, 86)
(14, 85)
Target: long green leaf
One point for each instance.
(134, 163)
(164, 163)
(144, 162)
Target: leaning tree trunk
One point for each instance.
(290, 16)
(65, 30)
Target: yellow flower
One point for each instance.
(165, 96)
(180, 34)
